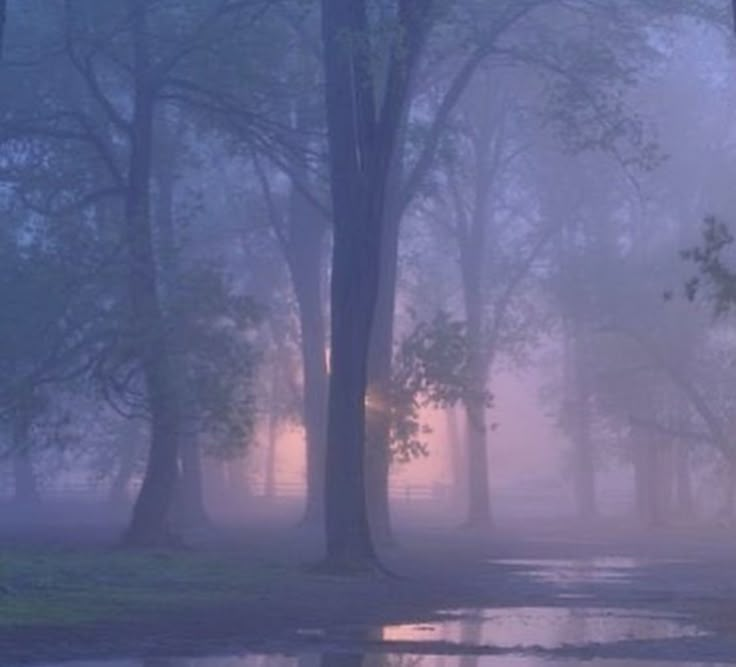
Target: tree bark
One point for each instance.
(652, 492)
(149, 523)
(362, 136)
(189, 510)
(640, 479)
(585, 481)
(472, 252)
(272, 432)
(118, 495)
(305, 260)
(380, 377)
(685, 499)
(3, 14)
(302, 241)
(479, 500)
(729, 491)
(26, 495)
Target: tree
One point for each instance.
(3, 14)
(104, 103)
(363, 119)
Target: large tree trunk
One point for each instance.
(362, 132)
(3, 14)
(357, 197)
(306, 267)
(149, 523)
(379, 380)
(354, 282)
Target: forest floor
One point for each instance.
(66, 592)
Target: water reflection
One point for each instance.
(353, 659)
(452, 639)
(610, 569)
(541, 627)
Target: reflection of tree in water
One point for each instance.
(471, 629)
(576, 629)
(342, 660)
(370, 660)
(376, 660)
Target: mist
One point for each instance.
(367, 331)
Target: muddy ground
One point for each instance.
(250, 587)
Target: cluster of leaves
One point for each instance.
(431, 370)
(212, 331)
(713, 273)
(53, 327)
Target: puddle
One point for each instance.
(609, 569)
(542, 627)
(619, 562)
(508, 631)
(382, 660)
(510, 637)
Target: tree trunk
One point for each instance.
(26, 494)
(345, 659)
(584, 461)
(380, 377)
(479, 501)
(149, 523)
(653, 492)
(188, 509)
(479, 507)
(362, 133)
(729, 491)
(640, 479)
(667, 479)
(456, 453)
(473, 244)
(685, 500)
(118, 495)
(306, 267)
(3, 14)
(272, 443)
(354, 283)
(304, 249)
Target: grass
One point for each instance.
(68, 588)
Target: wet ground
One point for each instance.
(612, 611)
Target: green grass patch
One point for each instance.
(72, 588)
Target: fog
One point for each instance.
(305, 302)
